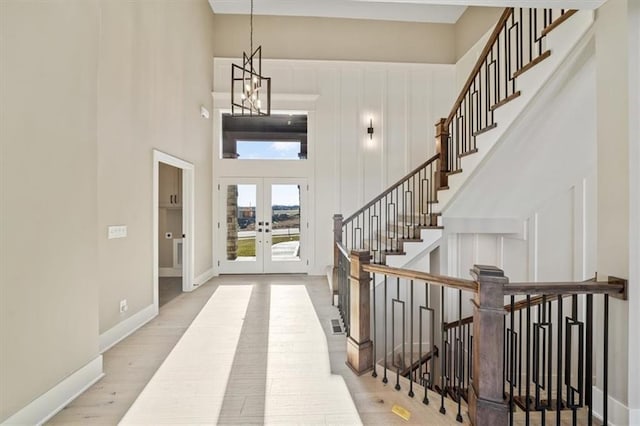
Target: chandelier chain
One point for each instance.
(251, 26)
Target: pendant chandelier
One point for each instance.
(250, 91)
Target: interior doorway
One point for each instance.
(170, 242)
(173, 206)
(264, 225)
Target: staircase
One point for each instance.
(405, 223)
(524, 50)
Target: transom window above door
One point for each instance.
(275, 137)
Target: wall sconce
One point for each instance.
(370, 129)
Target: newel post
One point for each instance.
(486, 403)
(359, 345)
(337, 237)
(442, 138)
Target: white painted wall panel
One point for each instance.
(396, 126)
(555, 238)
(345, 168)
(514, 258)
(373, 92)
(348, 119)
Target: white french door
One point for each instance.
(263, 224)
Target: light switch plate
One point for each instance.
(117, 231)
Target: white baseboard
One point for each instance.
(619, 414)
(169, 272)
(126, 327)
(55, 399)
(204, 277)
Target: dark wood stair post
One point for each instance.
(442, 138)
(337, 238)
(486, 401)
(359, 345)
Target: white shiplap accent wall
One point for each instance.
(345, 168)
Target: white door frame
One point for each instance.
(188, 219)
(263, 263)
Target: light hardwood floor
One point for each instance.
(285, 315)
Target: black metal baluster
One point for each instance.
(589, 360)
(506, 61)
(393, 332)
(425, 400)
(520, 41)
(512, 358)
(459, 360)
(504, 355)
(386, 325)
(605, 367)
(520, 354)
(443, 352)
(528, 367)
(531, 34)
(559, 366)
(411, 394)
(375, 336)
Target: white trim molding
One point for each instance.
(169, 272)
(619, 414)
(55, 399)
(188, 219)
(204, 277)
(127, 327)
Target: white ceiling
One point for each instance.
(437, 11)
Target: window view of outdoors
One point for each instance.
(259, 150)
(283, 227)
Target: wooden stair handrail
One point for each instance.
(391, 188)
(613, 287)
(476, 68)
(457, 283)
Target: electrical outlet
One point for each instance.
(123, 306)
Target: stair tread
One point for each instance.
(485, 129)
(464, 154)
(505, 101)
(555, 24)
(532, 64)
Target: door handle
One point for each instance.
(260, 230)
(266, 223)
(266, 230)
(260, 223)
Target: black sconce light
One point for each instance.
(370, 128)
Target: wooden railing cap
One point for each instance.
(487, 270)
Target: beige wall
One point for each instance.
(472, 25)
(89, 88)
(335, 39)
(613, 172)
(155, 71)
(48, 225)
(634, 210)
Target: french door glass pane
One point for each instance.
(241, 222)
(285, 219)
